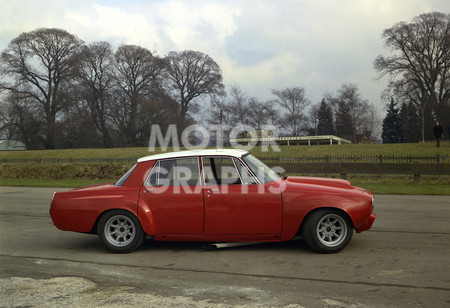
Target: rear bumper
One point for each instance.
(367, 224)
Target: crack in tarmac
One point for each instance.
(240, 274)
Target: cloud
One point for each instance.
(23, 16)
(259, 45)
(114, 25)
(190, 25)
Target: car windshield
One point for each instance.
(261, 170)
(125, 176)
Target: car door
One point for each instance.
(174, 196)
(235, 203)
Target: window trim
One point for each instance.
(154, 168)
(237, 170)
(250, 171)
(257, 182)
(125, 177)
(201, 169)
(235, 167)
(158, 165)
(248, 168)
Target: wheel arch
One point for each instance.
(306, 217)
(101, 214)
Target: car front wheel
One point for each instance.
(327, 231)
(120, 231)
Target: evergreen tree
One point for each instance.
(410, 123)
(344, 128)
(392, 126)
(325, 119)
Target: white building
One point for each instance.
(12, 145)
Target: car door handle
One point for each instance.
(208, 192)
(148, 189)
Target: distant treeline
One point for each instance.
(59, 92)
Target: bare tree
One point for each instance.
(294, 102)
(258, 113)
(159, 109)
(95, 75)
(355, 118)
(373, 123)
(313, 126)
(138, 76)
(273, 114)
(192, 74)
(76, 128)
(220, 112)
(19, 119)
(420, 68)
(349, 95)
(35, 66)
(239, 106)
(220, 115)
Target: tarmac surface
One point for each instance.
(403, 261)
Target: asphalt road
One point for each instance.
(402, 262)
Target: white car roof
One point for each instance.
(203, 152)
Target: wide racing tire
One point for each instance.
(120, 231)
(327, 230)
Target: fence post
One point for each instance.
(343, 172)
(416, 172)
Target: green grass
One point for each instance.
(404, 185)
(79, 174)
(406, 189)
(291, 151)
(78, 153)
(413, 149)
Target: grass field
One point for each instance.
(413, 149)
(379, 186)
(78, 174)
(404, 185)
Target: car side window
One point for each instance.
(220, 171)
(124, 178)
(246, 177)
(175, 172)
(152, 179)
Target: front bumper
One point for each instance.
(367, 224)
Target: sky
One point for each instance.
(259, 45)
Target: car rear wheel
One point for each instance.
(327, 231)
(120, 231)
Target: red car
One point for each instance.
(214, 196)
